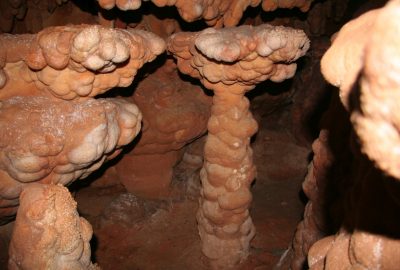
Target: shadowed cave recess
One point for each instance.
(199, 134)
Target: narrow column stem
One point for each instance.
(225, 225)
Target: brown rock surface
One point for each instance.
(175, 113)
(225, 226)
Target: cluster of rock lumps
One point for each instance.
(231, 61)
(54, 132)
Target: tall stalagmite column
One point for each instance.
(230, 62)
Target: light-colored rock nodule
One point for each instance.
(230, 62)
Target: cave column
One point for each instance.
(224, 223)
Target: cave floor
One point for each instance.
(164, 234)
(167, 238)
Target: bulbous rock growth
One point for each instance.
(52, 131)
(364, 56)
(78, 138)
(230, 62)
(371, 55)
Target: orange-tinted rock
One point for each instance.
(363, 63)
(73, 61)
(54, 141)
(371, 55)
(231, 62)
(46, 136)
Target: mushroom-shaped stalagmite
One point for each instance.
(231, 61)
(51, 131)
(48, 232)
(214, 12)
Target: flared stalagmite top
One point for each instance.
(241, 56)
(365, 54)
(74, 61)
(214, 12)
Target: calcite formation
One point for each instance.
(363, 63)
(175, 113)
(215, 13)
(312, 228)
(326, 182)
(52, 132)
(63, 154)
(48, 232)
(73, 61)
(371, 55)
(230, 62)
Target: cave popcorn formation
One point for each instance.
(230, 62)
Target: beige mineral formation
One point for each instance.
(231, 62)
(48, 232)
(52, 131)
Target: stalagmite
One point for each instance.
(231, 62)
